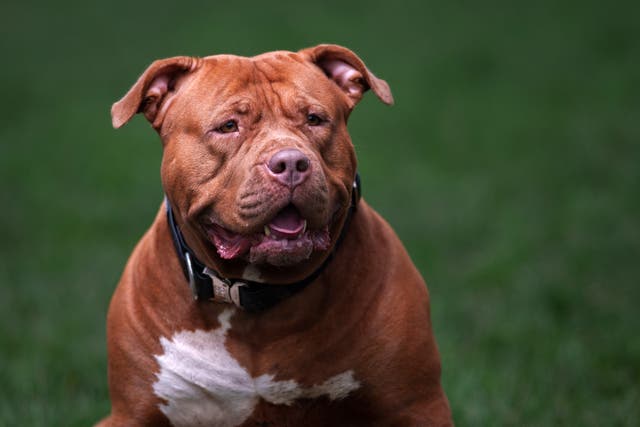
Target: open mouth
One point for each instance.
(285, 240)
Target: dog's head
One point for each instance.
(258, 164)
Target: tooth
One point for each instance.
(267, 230)
(304, 226)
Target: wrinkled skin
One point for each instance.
(222, 121)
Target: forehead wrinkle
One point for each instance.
(226, 77)
(270, 98)
(308, 83)
(238, 105)
(288, 95)
(229, 85)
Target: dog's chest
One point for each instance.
(203, 384)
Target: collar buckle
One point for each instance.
(224, 290)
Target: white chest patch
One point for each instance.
(204, 385)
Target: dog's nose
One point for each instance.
(289, 166)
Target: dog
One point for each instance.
(266, 292)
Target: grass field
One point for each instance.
(510, 166)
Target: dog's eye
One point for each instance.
(228, 127)
(314, 120)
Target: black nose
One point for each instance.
(289, 166)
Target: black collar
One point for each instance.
(208, 285)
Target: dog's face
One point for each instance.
(258, 164)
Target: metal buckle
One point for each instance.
(192, 279)
(234, 293)
(356, 192)
(220, 290)
(224, 290)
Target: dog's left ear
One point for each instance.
(348, 71)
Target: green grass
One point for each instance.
(509, 166)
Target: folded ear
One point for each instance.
(349, 72)
(153, 91)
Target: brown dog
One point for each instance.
(307, 310)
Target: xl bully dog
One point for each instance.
(266, 292)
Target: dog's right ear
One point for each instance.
(153, 91)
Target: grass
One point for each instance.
(509, 166)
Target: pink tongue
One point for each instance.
(229, 245)
(288, 224)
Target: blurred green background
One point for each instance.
(509, 166)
